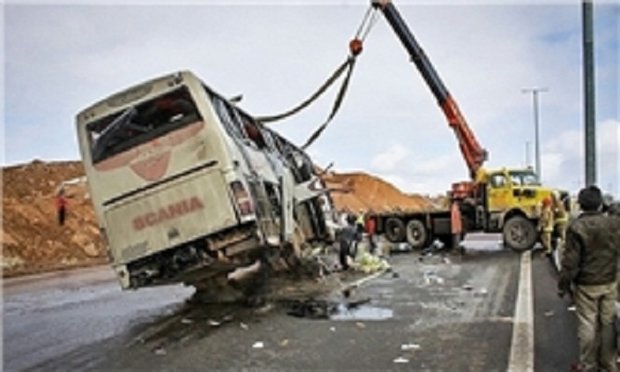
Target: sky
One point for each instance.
(61, 57)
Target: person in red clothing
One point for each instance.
(371, 228)
(61, 206)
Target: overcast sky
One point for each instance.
(60, 58)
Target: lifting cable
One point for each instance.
(355, 48)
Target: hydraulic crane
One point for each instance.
(504, 200)
(471, 150)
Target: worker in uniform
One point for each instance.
(589, 272)
(546, 225)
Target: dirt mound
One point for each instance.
(31, 237)
(365, 192)
(33, 241)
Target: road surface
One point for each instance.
(431, 312)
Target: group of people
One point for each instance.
(353, 229)
(589, 275)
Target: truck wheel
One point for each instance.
(519, 233)
(394, 230)
(417, 235)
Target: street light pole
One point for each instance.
(535, 92)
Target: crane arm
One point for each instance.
(471, 150)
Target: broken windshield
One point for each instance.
(141, 123)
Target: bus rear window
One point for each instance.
(141, 123)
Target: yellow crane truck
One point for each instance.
(503, 200)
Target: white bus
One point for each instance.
(186, 185)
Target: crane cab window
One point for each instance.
(498, 180)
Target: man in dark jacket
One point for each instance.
(348, 236)
(589, 264)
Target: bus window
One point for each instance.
(253, 131)
(227, 120)
(141, 123)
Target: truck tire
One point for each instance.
(417, 234)
(519, 233)
(394, 230)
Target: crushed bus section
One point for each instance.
(186, 186)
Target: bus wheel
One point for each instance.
(394, 230)
(417, 235)
(519, 233)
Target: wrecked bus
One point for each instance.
(186, 185)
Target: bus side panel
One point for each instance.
(175, 213)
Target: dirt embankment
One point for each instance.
(32, 240)
(365, 192)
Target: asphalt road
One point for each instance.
(432, 312)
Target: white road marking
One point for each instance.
(522, 347)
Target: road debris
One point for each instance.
(401, 360)
(332, 329)
(549, 313)
(431, 277)
(405, 347)
(186, 321)
(284, 342)
(213, 323)
(313, 309)
(571, 308)
(244, 326)
(467, 287)
(360, 325)
(258, 345)
(160, 351)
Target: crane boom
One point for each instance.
(471, 150)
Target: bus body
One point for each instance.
(186, 185)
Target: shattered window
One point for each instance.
(141, 123)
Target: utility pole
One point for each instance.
(588, 86)
(528, 160)
(535, 92)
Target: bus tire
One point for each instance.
(417, 234)
(519, 234)
(394, 230)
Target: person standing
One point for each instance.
(348, 236)
(371, 228)
(560, 216)
(546, 225)
(61, 206)
(589, 265)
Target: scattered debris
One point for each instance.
(549, 313)
(360, 325)
(405, 347)
(368, 263)
(571, 308)
(401, 360)
(332, 329)
(213, 323)
(467, 287)
(431, 277)
(160, 351)
(258, 345)
(284, 342)
(243, 326)
(313, 309)
(186, 321)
